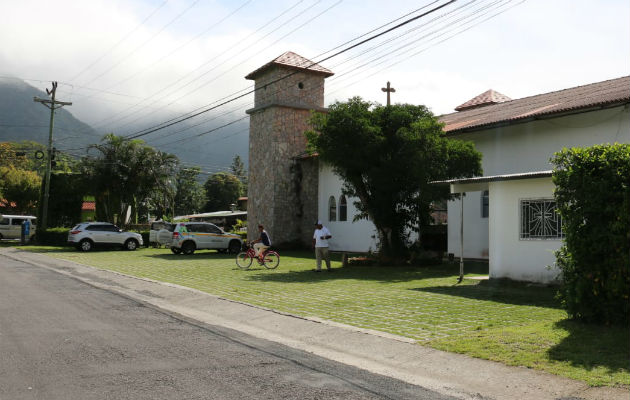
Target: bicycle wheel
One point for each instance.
(271, 260)
(243, 260)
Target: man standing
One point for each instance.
(320, 243)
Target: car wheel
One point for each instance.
(86, 245)
(175, 250)
(234, 246)
(131, 244)
(188, 248)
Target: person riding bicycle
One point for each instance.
(262, 243)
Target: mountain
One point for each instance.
(23, 119)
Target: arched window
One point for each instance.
(332, 209)
(343, 208)
(485, 203)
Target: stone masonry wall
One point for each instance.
(282, 191)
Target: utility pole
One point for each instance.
(53, 105)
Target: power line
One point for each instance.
(234, 48)
(120, 41)
(157, 127)
(144, 43)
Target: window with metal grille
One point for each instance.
(540, 219)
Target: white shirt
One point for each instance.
(319, 242)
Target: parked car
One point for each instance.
(88, 235)
(161, 233)
(190, 236)
(11, 226)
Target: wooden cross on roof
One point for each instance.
(389, 90)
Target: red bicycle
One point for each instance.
(269, 258)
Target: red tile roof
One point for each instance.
(293, 61)
(601, 94)
(484, 99)
(88, 206)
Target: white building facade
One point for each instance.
(508, 214)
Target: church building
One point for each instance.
(508, 213)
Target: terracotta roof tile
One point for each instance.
(294, 61)
(484, 99)
(606, 93)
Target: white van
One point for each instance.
(11, 226)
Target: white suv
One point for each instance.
(191, 236)
(87, 235)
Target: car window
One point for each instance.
(114, 228)
(17, 221)
(213, 229)
(170, 227)
(95, 228)
(5, 221)
(196, 228)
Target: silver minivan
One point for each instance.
(11, 226)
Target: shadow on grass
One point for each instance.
(501, 291)
(590, 346)
(385, 274)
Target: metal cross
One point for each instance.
(389, 90)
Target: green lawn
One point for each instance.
(513, 323)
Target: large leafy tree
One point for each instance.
(387, 157)
(190, 197)
(222, 190)
(21, 188)
(126, 173)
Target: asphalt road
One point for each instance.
(63, 339)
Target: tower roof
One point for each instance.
(294, 61)
(484, 99)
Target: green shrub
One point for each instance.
(52, 236)
(593, 198)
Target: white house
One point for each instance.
(508, 213)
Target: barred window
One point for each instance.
(332, 209)
(540, 220)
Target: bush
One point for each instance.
(52, 236)
(593, 198)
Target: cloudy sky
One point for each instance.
(133, 63)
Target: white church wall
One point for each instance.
(510, 256)
(527, 147)
(359, 236)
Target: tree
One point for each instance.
(126, 174)
(20, 187)
(387, 156)
(222, 190)
(238, 169)
(190, 196)
(593, 197)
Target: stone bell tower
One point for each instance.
(282, 186)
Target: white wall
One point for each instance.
(527, 147)
(360, 236)
(510, 256)
(475, 227)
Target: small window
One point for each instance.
(332, 209)
(214, 229)
(301, 85)
(4, 221)
(343, 208)
(540, 220)
(485, 203)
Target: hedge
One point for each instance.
(593, 198)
